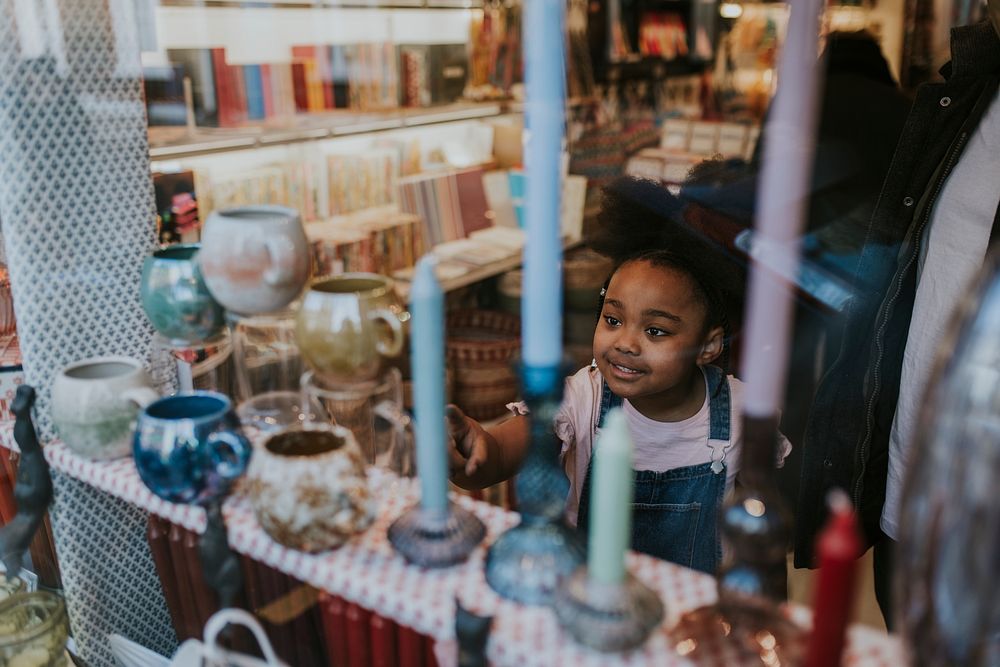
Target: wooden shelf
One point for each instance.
(480, 273)
(327, 4)
(173, 143)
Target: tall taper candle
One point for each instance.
(427, 359)
(541, 304)
(782, 196)
(611, 501)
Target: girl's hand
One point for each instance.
(468, 443)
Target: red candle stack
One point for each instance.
(837, 551)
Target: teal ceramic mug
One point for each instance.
(175, 297)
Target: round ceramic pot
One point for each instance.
(255, 259)
(346, 329)
(308, 488)
(175, 297)
(33, 630)
(189, 448)
(94, 404)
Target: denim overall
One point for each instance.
(675, 512)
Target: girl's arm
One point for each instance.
(480, 457)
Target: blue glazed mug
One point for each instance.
(189, 448)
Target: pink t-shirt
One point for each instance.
(659, 446)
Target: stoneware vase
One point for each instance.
(308, 487)
(189, 448)
(94, 405)
(346, 328)
(175, 297)
(255, 259)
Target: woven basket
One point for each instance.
(481, 348)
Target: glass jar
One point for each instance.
(33, 631)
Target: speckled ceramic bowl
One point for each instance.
(308, 487)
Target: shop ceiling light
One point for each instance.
(730, 10)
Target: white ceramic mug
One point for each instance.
(94, 405)
(255, 259)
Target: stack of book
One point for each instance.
(381, 240)
(318, 77)
(452, 205)
(337, 249)
(292, 184)
(362, 180)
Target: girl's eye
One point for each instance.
(612, 321)
(656, 333)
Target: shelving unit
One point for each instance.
(173, 143)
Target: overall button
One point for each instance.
(945, 101)
(828, 464)
(907, 201)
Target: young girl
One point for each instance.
(663, 323)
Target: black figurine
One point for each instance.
(33, 491)
(220, 566)
(472, 633)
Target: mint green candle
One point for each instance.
(611, 501)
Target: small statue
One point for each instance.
(472, 633)
(220, 566)
(33, 491)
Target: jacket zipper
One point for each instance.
(884, 319)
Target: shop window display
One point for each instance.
(269, 260)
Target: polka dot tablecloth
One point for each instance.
(368, 572)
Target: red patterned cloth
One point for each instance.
(368, 572)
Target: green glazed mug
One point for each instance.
(175, 297)
(344, 329)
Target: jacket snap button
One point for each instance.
(945, 101)
(827, 463)
(907, 201)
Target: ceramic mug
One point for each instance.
(344, 331)
(189, 448)
(94, 403)
(308, 487)
(175, 297)
(255, 259)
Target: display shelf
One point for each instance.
(172, 143)
(367, 572)
(479, 273)
(329, 4)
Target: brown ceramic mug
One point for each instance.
(345, 331)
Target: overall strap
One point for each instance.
(608, 400)
(719, 404)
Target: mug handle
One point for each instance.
(229, 452)
(141, 396)
(232, 616)
(280, 261)
(394, 345)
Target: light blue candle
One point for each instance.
(541, 304)
(427, 359)
(611, 501)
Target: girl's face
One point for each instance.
(652, 338)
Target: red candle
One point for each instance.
(837, 551)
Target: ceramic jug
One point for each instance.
(189, 447)
(94, 404)
(308, 487)
(176, 299)
(346, 330)
(255, 259)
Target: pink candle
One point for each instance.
(782, 196)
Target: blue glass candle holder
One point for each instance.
(528, 562)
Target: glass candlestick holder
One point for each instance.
(607, 617)
(747, 624)
(528, 562)
(436, 539)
